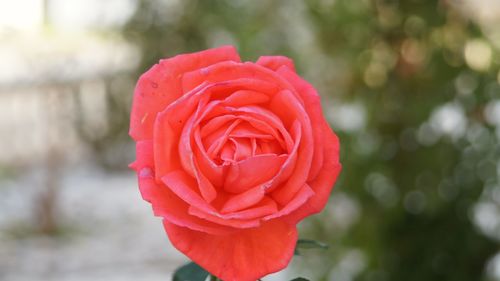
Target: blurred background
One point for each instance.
(411, 87)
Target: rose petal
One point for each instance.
(170, 207)
(215, 123)
(323, 183)
(245, 130)
(245, 97)
(185, 187)
(144, 155)
(243, 149)
(244, 200)
(269, 147)
(275, 62)
(254, 195)
(143, 166)
(279, 134)
(254, 147)
(227, 156)
(312, 104)
(284, 173)
(168, 128)
(189, 163)
(161, 85)
(252, 171)
(236, 223)
(288, 166)
(212, 171)
(230, 70)
(285, 99)
(246, 255)
(253, 113)
(221, 139)
(165, 203)
(304, 193)
(265, 207)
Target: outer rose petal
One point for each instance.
(305, 153)
(164, 202)
(171, 208)
(275, 62)
(322, 185)
(145, 157)
(144, 167)
(304, 193)
(224, 71)
(246, 255)
(312, 106)
(161, 85)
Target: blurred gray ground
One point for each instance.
(108, 232)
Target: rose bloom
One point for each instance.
(232, 155)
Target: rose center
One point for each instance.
(238, 140)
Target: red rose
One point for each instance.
(232, 155)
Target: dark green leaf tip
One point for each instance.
(190, 272)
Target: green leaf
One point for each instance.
(190, 272)
(300, 279)
(309, 244)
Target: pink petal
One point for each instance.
(245, 130)
(313, 108)
(280, 134)
(144, 155)
(246, 255)
(252, 171)
(253, 113)
(161, 85)
(165, 203)
(168, 128)
(265, 207)
(275, 62)
(323, 183)
(285, 99)
(236, 223)
(246, 97)
(288, 166)
(244, 200)
(229, 71)
(243, 149)
(304, 193)
(170, 207)
(215, 123)
(186, 188)
(212, 171)
(206, 188)
(217, 144)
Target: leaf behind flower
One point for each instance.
(190, 272)
(309, 244)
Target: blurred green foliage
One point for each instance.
(423, 154)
